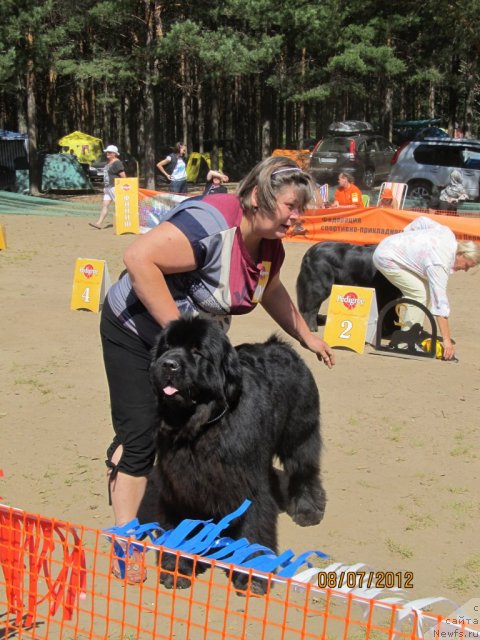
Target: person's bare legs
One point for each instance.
(103, 214)
(126, 492)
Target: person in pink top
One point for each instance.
(419, 261)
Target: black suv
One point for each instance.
(354, 147)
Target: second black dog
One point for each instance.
(225, 413)
(329, 263)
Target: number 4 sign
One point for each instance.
(351, 317)
(91, 282)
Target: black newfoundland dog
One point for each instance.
(225, 413)
(329, 263)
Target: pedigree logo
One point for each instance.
(88, 270)
(350, 300)
(126, 187)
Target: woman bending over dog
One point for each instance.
(215, 256)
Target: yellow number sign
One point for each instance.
(91, 282)
(126, 206)
(3, 238)
(351, 317)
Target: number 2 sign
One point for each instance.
(351, 317)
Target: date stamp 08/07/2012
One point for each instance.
(365, 579)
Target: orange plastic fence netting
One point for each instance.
(370, 225)
(56, 583)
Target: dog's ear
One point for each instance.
(156, 350)
(232, 370)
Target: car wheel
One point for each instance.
(368, 179)
(419, 189)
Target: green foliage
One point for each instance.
(333, 56)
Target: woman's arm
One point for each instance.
(161, 251)
(279, 305)
(213, 173)
(439, 306)
(162, 164)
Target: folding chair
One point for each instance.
(399, 192)
(323, 190)
(365, 200)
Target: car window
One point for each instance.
(441, 155)
(471, 158)
(335, 145)
(371, 144)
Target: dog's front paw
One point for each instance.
(173, 581)
(256, 586)
(305, 512)
(308, 518)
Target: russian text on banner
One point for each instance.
(351, 317)
(126, 206)
(91, 282)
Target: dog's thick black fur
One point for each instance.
(225, 413)
(342, 263)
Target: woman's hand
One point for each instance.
(323, 351)
(448, 350)
(277, 302)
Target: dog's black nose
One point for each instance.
(170, 364)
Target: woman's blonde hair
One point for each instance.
(269, 177)
(469, 249)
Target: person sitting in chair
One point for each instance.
(453, 193)
(348, 195)
(387, 199)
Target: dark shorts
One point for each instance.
(179, 186)
(133, 405)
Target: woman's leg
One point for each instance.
(126, 492)
(134, 416)
(412, 287)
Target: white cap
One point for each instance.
(111, 148)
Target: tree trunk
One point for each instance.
(30, 85)
(431, 100)
(215, 125)
(154, 30)
(453, 94)
(387, 114)
(201, 119)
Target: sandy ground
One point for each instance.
(401, 455)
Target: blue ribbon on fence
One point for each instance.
(202, 538)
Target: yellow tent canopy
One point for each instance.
(87, 148)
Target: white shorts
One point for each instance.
(108, 193)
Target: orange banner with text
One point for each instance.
(370, 225)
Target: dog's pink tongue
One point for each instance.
(169, 390)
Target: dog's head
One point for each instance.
(193, 364)
(419, 332)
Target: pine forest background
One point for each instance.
(246, 76)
